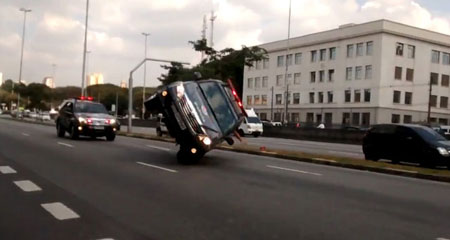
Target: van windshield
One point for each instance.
(253, 120)
(429, 134)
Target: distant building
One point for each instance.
(357, 74)
(23, 82)
(123, 84)
(49, 82)
(95, 79)
(1, 78)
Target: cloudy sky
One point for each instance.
(55, 30)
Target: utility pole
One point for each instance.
(83, 73)
(212, 19)
(145, 73)
(287, 66)
(429, 102)
(117, 103)
(204, 34)
(271, 106)
(25, 11)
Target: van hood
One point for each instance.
(444, 144)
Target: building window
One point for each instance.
(446, 58)
(277, 117)
(433, 100)
(330, 96)
(397, 95)
(411, 51)
(311, 97)
(296, 98)
(289, 59)
(249, 100)
(399, 49)
(365, 119)
(264, 99)
(278, 98)
(257, 100)
(443, 121)
(332, 53)
(297, 78)
(444, 102)
(407, 119)
(395, 118)
(445, 80)
(313, 56)
(266, 63)
(350, 50)
(321, 76)
(348, 96)
(345, 118)
(263, 116)
(408, 98)
(323, 55)
(295, 117)
(313, 77)
(369, 48)
(258, 65)
(366, 95)
(257, 82)
(357, 96)
(250, 83)
(434, 78)
(265, 82)
(355, 119)
(289, 78)
(298, 58)
(358, 72)
(359, 49)
(280, 61)
(398, 73)
(320, 95)
(409, 74)
(331, 75)
(279, 80)
(368, 74)
(328, 119)
(349, 73)
(435, 56)
(309, 117)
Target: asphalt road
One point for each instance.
(314, 147)
(134, 189)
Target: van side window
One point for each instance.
(384, 129)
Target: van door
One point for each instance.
(408, 144)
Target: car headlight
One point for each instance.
(180, 91)
(205, 140)
(81, 120)
(443, 151)
(112, 121)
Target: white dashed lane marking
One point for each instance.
(159, 148)
(27, 186)
(7, 170)
(65, 144)
(157, 167)
(60, 211)
(294, 170)
(26, 134)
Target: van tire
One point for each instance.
(241, 132)
(60, 130)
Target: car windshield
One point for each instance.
(253, 120)
(219, 103)
(90, 107)
(429, 134)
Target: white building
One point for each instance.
(1, 78)
(49, 82)
(358, 74)
(95, 79)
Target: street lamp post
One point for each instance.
(83, 76)
(25, 11)
(145, 73)
(287, 66)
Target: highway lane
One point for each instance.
(139, 187)
(313, 147)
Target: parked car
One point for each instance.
(198, 114)
(44, 116)
(408, 143)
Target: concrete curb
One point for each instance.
(391, 171)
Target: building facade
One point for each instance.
(358, 74)
(49, 82)
(95, 79)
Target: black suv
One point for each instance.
(408, 143)
(198, 114)
(81, 116)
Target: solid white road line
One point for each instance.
(294, 170)
(60, 211)
(7, 170)
(442, 239)
(161, 168)
(27, 186)
(26, 134)
(65, 144)
(401, 170)
(159, 148)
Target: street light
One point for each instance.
(145, 73)
(287, 66)
(87, 77)
(25, 11)
(84, 49)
